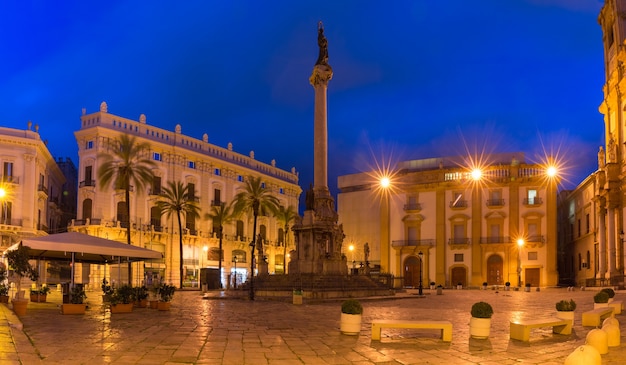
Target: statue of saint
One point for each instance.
(366, 251)
(322, 42)
(601, 157)
(309, 198)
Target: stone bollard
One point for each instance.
(613, 334)
(584, 354)
(598, 339)
(610, 320)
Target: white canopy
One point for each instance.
(88, 249)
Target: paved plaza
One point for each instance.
(223, 330)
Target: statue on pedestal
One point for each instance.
(322, 42)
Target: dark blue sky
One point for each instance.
(412, 79)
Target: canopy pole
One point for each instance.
(73, 271)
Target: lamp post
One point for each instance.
(3, 195)
(351, 249)
(203, 281)
(385, 184)
(421, 256)
(520, 243)
(235, 259)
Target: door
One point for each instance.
(532, 276)
(494, 270)
(458, 275)
(412, 272)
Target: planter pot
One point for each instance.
(566, 315)
(163, 306)
(122, 308)
(432, 287)
(350, 324)
(507, 288)
(141, 303)
(527, 289)
(297, 299)
(106, 298)
(610, 300)
(154, 304)
(38, 298)
(19, 307)
(600, 305)
(439, 291)
(4, 299)
(73, 308)
(480, 327)
(459, 287)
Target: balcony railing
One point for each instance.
(495, 239)
(412, 206)
(459, 241)
(402, 243)
(84, 183)
(42, 188)
(495, 202)
(533, 201)
(10, 179)
(195, 199)
(535, 238)
(458, 204)
(216, 203)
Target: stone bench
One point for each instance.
(520, 329)
(595, 317)
(444, 326)
(617, 306)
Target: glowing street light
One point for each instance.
(520, 244)
(385, 182)
(551, 171)
(476, 174)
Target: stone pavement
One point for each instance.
(223, 330)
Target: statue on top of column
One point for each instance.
(601, 158)
(322, 42)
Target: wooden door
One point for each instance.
(412, 272)
(494, 270)
(533, 276)
(458, 275)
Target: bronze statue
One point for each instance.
(322, 42)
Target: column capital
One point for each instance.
(321, 75)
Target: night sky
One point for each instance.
(412, 79)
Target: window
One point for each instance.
(587, 223)
(459, 233)
(155, 218)
(458, 257)
(156, 185)
(122, 214)
(156, 156)
(215, 254)
(281, 237)
(532, 198)
(89, 176)
(579, 228)
(495, 198)
(262, 185)
(239, 178)
(263, 233)
(281, 191)
(190, 223)
(217, 197)
(191, 192)
(87, 204)
(191, 164)
(240, 230)
(217, 172)
(8, 171)
(89, 145)
(532, 255)
(6, 212)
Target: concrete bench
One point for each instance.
(617, 306)
(520, 329)
(595, 317)
(444, 326)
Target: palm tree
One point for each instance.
(285, 216)
(221, 214)
(175, 199)
(124, 166)
(256, 198)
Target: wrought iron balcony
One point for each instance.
(459, 241)
(412, 206)
(495, 202)
(458, 204)
(402, 243)
(84, 183)
(495, 239)
(533, 201)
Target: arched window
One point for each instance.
(122, 214)
(87, 204)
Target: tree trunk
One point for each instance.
(252, 258)
(127, 196)
(180, 247)
(219, 262)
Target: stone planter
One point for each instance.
(439, 291)
(122, 308)
(600, 305)
(566, 315)
(19, 307)
(4, 299)
(163, 306)
(73, 308)
(350, 324)
(297, 299)
(143, 303)
(480, 328)
(38, 298)
(154, 304)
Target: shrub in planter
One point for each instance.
(351, 314)
(609, 291)
(601, 297)
(566, 305)
(481, 310)
(351, 306)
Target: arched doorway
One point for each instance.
(412, 272)
(458, 275)
(495, 265)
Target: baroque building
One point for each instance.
(594, 213)
(213, 174)
(31, 186)
(442, 221)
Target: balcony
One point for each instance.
(412, 206)
(85, 183)
(154, 191)
(533, 201)
(459, 241)
(535, 238)
(42, 188)
(216, 203)
(495, 239)
(458, 204)
(195, 199)
(10, 179)
(403, 243)
(495, 202)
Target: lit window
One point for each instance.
(156, 156)
(191, 165)
(239, 178)
(218, 172)
(281, 191)
(262, 185)
(89, 145)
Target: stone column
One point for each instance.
(611, 240)
(319, 80)
(602, 243)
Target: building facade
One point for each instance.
(214, 176)
(442, 221)
(31, 186)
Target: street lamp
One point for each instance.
(385, 184)
(235, 259)
(421, 256)
(520, 244)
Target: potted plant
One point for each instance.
(122, 299)
(107, 291)
(565, 309)
(297, 296)
(166, 293)
(18, 260)
(39, 295)
(507, 286)
(140, 296)
(432, 285)
(351, 314)
(439, 289)
(4, 287)
(485, 285)
(601, 299)
(154, 296)
(76, 304)
(527, 287)
(610, 292)
(459, 285)
(480, 323)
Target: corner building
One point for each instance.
(495, 224)
(214, 175)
